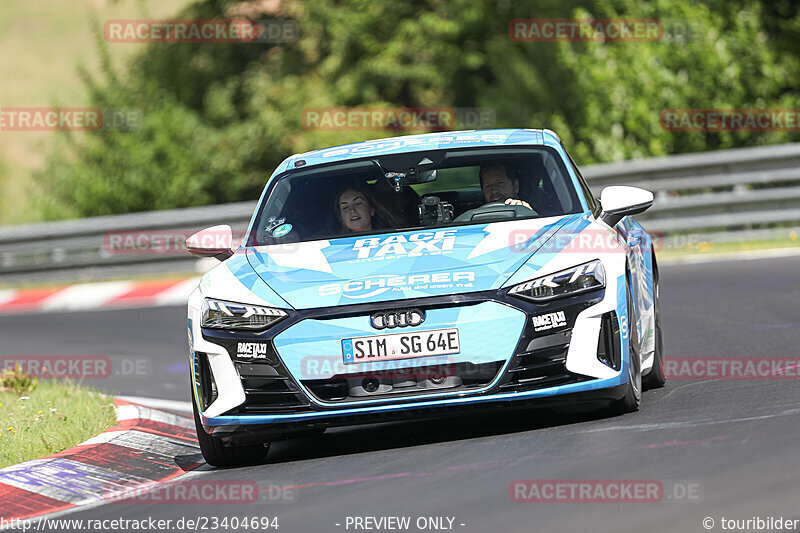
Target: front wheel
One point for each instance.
(633, 390)
(218, 454)
(657, 376)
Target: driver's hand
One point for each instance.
(514, 201)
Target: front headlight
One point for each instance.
(229, 315)
(575, 280)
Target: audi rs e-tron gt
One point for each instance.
(416, 277)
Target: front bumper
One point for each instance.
(260, 428)
(281, 399)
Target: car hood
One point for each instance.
(402, 265)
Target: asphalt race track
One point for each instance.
(731, 443)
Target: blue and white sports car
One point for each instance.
(417, 276)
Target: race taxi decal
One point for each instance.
(252, 350)
(414, 245)
(549, 321)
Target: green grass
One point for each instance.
(50, 417)
(704, 248)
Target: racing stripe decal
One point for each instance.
(567, 232)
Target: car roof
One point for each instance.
(418, 143)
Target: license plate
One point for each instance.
(400, 345)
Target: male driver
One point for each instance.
(498, 187)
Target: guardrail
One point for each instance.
(728, 190)
(739, 194)
(84, 250)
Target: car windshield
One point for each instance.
(412, 191)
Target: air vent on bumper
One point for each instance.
(608, 344)
(204, 380)
(542, 364)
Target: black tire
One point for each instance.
(633, 390)
(217, 454)
(657, 376)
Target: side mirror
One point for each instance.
(618, 201)
(216, 241)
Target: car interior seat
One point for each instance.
(536, 187)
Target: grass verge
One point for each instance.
(705, 248)
(41, 418)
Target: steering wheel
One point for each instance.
(495, 211)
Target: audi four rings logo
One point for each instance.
(397, 319)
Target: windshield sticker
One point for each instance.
(282, 230)
(272, 223)
(395, 246)
(413, 141)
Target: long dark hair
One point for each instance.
(379, 219)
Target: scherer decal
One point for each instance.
(414, 245)
(374, 285)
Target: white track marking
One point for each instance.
(7, 296)
(143, 441)
(155, 403)
(85, 296)
(178, 294)
(127, 412)
(133, 412)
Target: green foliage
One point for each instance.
(217, 118)
(15, 379)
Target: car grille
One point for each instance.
(398, 383)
